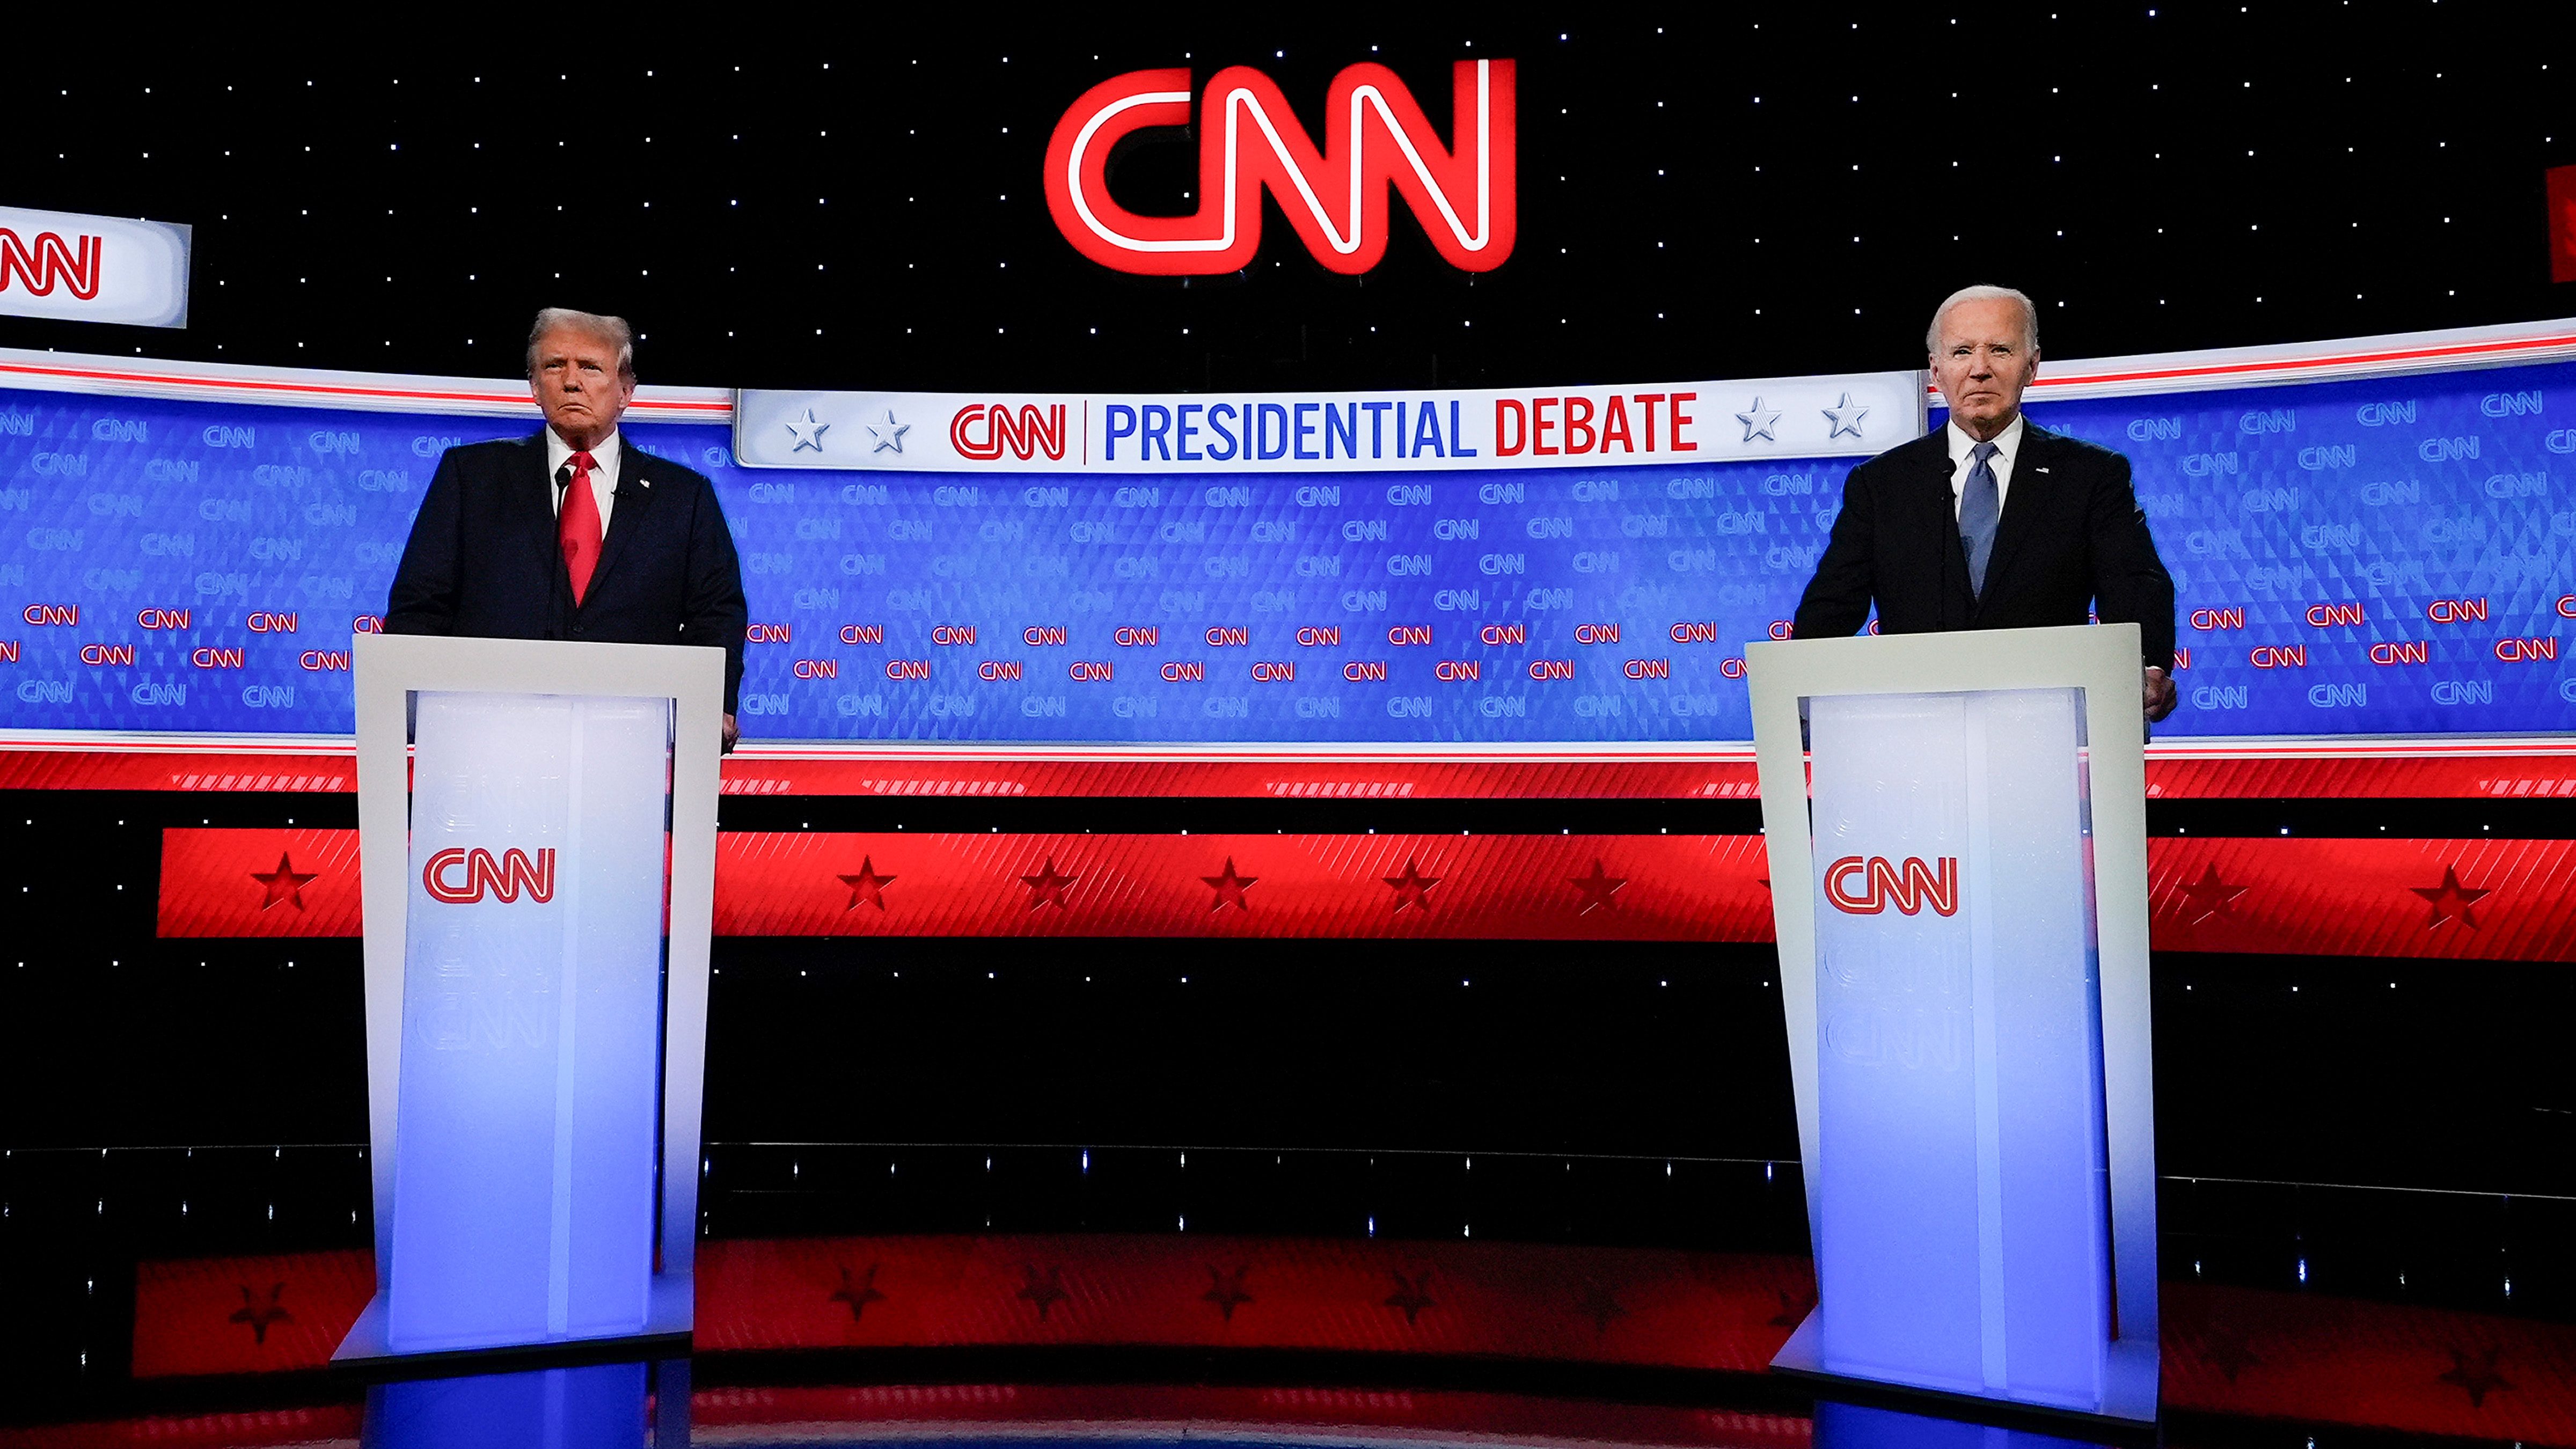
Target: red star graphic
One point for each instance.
(285, 883)
(1412, 1294)
(2450, 899)
(1597, 887)
(1045, 1292)
(1411, 887)
(1230, 887)
(1046, 888)
(858, 1291)
(260, 1315)
(867, 887)
(1601, 1304)
(2476, 1378)
(1227, 1290)
(2209, 896)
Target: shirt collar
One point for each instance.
(559, 452)
(2007, 443)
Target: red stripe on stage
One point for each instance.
(1516, 1300)
(2485, 900)
(2308, 769)
(1224, 1414)
(2492, 900)
(247, 1315)
(2227, 1350)
(217, 882)
(1511, 887)
(2327, 777)
(1271, 775)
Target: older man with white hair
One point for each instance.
(574, 532)
(1993, 522)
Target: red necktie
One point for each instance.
(578, 526)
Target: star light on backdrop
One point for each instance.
(1622, 131)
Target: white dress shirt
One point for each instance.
(2007, 447)
(603, 472)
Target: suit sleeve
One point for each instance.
(423, 597)
(2130, 584)
(714, 611)
(1837, 599)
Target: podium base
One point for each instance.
(669, 1319)
(2130, 1386)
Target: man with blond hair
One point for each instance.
(573, 532)
(1993, 522)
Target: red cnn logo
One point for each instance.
(1463, 195)
(505, 877)
(51, 260)
(1884, 884)
(1027, 435)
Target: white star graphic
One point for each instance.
(808, 434)
(889, 434)
(1758, 423)
(1845, 418)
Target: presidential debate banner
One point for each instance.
(2389, 555)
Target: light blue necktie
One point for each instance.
(1980, 509)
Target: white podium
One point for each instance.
(1959, 882)
(539, 881)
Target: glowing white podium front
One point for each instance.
(1958, 865)
(536, 1012)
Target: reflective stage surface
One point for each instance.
(634, 1405)
(848, 1292)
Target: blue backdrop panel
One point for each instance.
(2387, 556)
(2397, 549)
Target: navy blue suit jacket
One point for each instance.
(2072, 542)
(483, 560)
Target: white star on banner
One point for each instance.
(889, 434)
(1845, 418)
(1759, 423)
(808, 434)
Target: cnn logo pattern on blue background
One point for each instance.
(2388, 556)
(2357, 557)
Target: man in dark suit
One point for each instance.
(1993, 522)
(572, 533)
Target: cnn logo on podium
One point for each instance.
(1883, 883)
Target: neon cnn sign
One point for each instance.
(1375, 135)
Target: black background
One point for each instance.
(1705, 192)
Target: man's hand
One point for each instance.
(732, 734)
(2161, 697)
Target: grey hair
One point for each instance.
(2029, 314)
(609, 329)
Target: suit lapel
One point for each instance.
(536, 495)
(634, 495)
(2028, 497)
(1940, 514)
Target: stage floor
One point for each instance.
(855, 1291)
